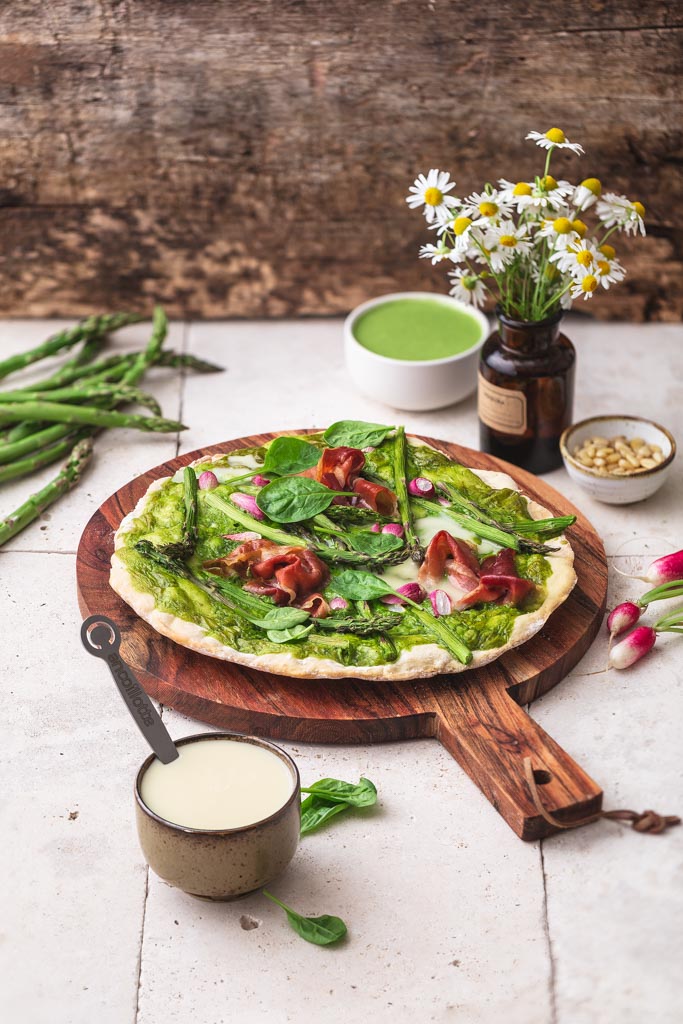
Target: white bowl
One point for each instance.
(414, 384)
(618, 490)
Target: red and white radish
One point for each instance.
(441, 603)
(247, 502)
(420, 487)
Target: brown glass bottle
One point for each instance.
(526, 392)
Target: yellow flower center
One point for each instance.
(433, 196)
(589, 283)
(584, 258)
(603, 267)
(461, 224)
(608, 250)
(579, 227)
(488, 209)
(555, 135)
(562, 225)
(593, 185)
(549, 182)
(508, 240)
(522, 188)
(639, 208)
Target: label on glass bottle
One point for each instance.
(501, 409)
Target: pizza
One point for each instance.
(358, 552)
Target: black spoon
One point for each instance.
(101, 637)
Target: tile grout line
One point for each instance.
(140, 949)
(183, 380)
(549, 942)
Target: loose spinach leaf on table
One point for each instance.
(322, 931)
(288, 455)
(317, 810)
(356, 434)
(295, 498)
(359, 794)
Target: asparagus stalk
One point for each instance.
(118, 392)
(45, 457)
(18, 449)
(401, 488)
(67, 477)
(188, 541)
(111, 368)
(249, 522)
(82, 414)
(152, 353)
(547, 527)
(93, 326)
(185, 361)
(472, 509)
(361, 627)
(475, 526)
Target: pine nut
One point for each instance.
(636, 443)
(648, 463)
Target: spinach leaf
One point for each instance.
(285, 636)
(317, 810)
(292, 499)
(322, 931)
(290, 455)
(359, 794)
(282, 618)
(355, 585)
(374, 543)
(356, 434)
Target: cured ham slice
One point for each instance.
(316, 605)
(451, 557)
(287, 574)
(451, 564)
(339, 469)
(379, 499)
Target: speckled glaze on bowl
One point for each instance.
(618, 490)
(225, 864)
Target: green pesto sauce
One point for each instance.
(481, 628)
(416, 329)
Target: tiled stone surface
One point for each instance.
(450, 916)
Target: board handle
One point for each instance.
(490, 735)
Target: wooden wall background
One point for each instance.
(251, 157)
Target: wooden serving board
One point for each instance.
(477, 715)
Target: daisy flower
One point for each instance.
(468, 288)
(608, 270)
(618, 211)
(587, 193)
(526, 195)
(584, 288)
(486, 205)
(577, 259)
(560, 231)
(554, 138)
(431, 192)
(504, 242)
(435, 253)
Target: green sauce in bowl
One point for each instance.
(416, 329)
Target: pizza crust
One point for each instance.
(418, 662)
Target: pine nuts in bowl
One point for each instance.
(618, 459)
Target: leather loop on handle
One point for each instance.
(491, 736)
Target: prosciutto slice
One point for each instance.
(451, 564)
(379, 499)
(287, 574)
(340, 468)
(337, 468)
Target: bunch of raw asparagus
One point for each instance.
(59, 415)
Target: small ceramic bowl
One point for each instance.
(225, 864)
(618, 490)
(413, 384)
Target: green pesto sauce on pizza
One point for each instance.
(482, 627)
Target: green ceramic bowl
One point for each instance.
(221, 864)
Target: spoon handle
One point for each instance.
(101, 638)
